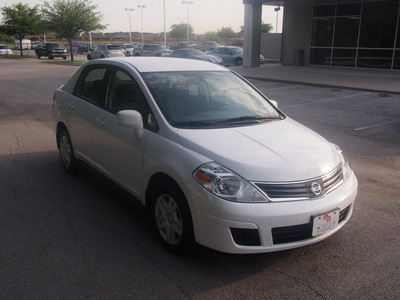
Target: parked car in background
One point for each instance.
(36, 44)
(153, 50)
(51, 50)
(211, 158)
(232, 56)
(105, 50)
(208, 45)
(83, 48)
(129, 49)
(192, 53)
(5, 50)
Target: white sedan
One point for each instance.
(212, 159)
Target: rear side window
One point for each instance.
(92, 85)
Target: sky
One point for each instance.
(204, 15)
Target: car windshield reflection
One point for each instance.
(208, 99)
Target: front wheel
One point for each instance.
(172, 218)
(238, 61)
(64, 57)
(89, 57)
(66, 151)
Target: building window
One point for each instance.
(362, 34)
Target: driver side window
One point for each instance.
(125, 94)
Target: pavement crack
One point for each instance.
(302, 282)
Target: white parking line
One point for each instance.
(283, 88)
(328, 100)
(376, 125)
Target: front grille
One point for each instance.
(288, 234)
(303, 190)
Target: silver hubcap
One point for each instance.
(65, 151)
(169, 219)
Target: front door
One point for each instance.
(118, 149)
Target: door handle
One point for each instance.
(71, 106)
(100, 122)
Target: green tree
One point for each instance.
(266, 27)
(20, 20)
(225, 33)
(211, 36)
(68, 18)
(179, 31)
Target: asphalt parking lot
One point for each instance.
(78, 237)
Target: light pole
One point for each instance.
(40, 6)
(277, 9)
(187, 22)
(165, 28)
(141, 12)
(130, 23)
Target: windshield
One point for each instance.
(201, 99)
(53, 45)
(160, 47)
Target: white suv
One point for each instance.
(210, 156)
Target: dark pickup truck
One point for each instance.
(51, 50)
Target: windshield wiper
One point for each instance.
(193, 123)
(253, 119)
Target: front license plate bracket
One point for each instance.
(325, 222)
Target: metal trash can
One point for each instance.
(299, 57)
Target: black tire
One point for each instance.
(89, 57)
(102, 56)
(238, 61)
(39, 56)
(66, 151)
(172, 218)
(51, 57)
(128, 54)
(64, 57)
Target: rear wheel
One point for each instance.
(66, 151)
(102, 56)
(238, 61)
(172, 218)
(89, 57)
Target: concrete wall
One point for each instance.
(297, 27)
(271, 45)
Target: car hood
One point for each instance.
(282, 150)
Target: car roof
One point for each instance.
(164, 64)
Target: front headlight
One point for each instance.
(345, 163)
(226, 184)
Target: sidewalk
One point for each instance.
(361, 79)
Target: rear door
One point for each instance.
(89, 95)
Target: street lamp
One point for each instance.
(187, 23)
(130, 23)
(141, 12)
(40, 6)
(277, 9)
(165, 28)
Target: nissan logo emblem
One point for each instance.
(316, 188)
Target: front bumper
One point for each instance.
(235, 227)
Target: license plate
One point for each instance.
(325, 222)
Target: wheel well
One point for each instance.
(154, 181)
(60, 127)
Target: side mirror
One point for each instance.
(274, 103)
(132, 119)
